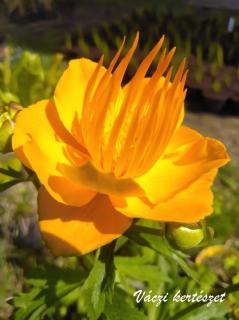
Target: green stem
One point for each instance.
(148, 230)
(194, 306)
(32, 178)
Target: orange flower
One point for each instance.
(106, 154)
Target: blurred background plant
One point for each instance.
(19, 68)
(23, 6)
(37, 38)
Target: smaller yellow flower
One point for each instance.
(106, 154)
(209, 252)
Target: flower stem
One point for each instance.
(192, 307)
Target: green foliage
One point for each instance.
(199, 54)
(121, 308)
(101, 44)
(162, 247)
(102, 286)
(7, 117)
(10, 171)
(28, 77)
(49, 286)
(99, 285)
(225, 219)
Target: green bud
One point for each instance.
(7, 117)
(6, 130)
(185, 236)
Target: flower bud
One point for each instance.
(6, 130)
(7, 117)
(185, 236)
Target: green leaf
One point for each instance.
(6, 185)
(99, 285)
(50, 286)
(140, 269)
(121, 309)
(94, 298)
(218, 311)
(44, 301)
(11, 172)
(7, 96)
(50, 274)
(162, 246)
(24, 299)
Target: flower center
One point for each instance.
(105, 183)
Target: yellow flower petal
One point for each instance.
(45, 114)
(71, 92)
(73, 230)
(41, 148)
(132, 207)
(45, 165)
(177, 188)
(188, 157)
(188, 206)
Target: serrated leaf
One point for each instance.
(107, 257)
(24, 299)
(44, 301)
(121, 309)
(99, 285)
(94, 298)
(50, 285)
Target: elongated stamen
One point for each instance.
(165, 132)
(146, 135)
(165, 127)
(103, 102)
(86, 104)
(108, 163)
(171, 103)
(117, 78)
(147, 93)
(158, 104)
(91, 104)
(126, 138)
(105, 79)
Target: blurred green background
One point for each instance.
(37, 38)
